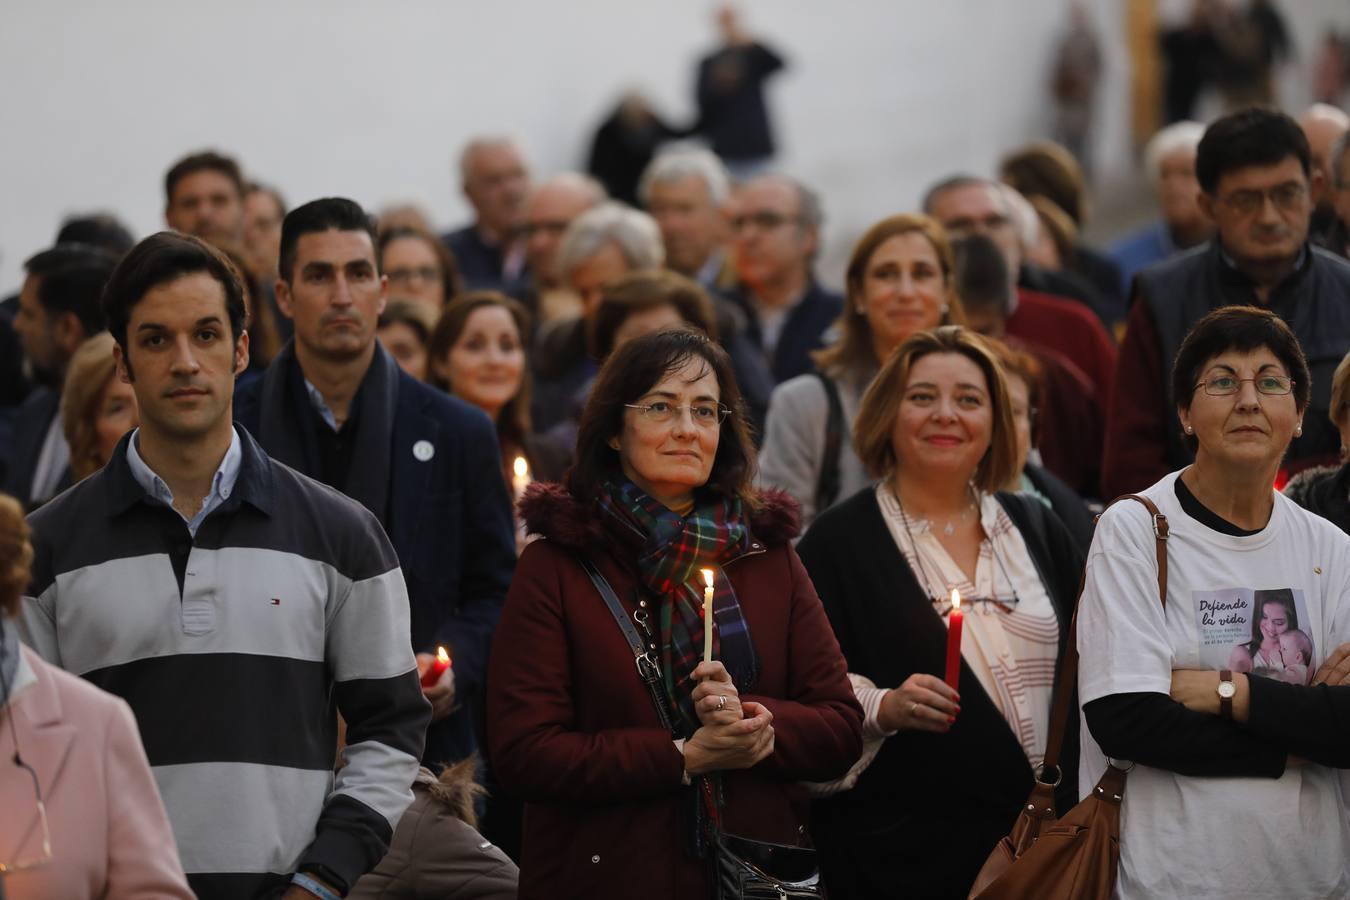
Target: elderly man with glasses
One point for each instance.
(1256, 185)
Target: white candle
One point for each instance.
(707, 614)
(520, 479)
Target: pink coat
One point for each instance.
(110, 836)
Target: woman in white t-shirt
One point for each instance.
(1150, 678)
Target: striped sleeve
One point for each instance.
(379, 696)
(37, 617)
(869, 698)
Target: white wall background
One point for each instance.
(373, 100)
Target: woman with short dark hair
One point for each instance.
(1168, 688)
(660, 490)
(955, 763)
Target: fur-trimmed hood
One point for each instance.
(550, 511)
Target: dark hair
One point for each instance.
(97, 230)
(1049, 170)
(1284, 597)
(407, 312)
(644, 290)
(70, 280)
(1249, 137)
(1242, 329)
(264, 338)
(982, 274)
(257, 187)
(206, 161)
(628, 374)
(327, 214)
(452, 283)
(162, 258)
(513, 422)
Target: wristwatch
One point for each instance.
(1226, 691)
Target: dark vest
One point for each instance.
(1314, 302)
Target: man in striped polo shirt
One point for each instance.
(235, 604)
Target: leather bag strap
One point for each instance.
(648, 667)
(1067, 679)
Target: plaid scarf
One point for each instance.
(670, 550)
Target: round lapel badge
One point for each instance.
(423, 451)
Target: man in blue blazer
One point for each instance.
(337, 407)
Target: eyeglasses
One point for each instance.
(1228, 385)
(704, 415)
(1286, 198)
(764, 220)
(426, 273)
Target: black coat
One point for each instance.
(29, 423)
(925, 815)
(1324, 491)
(449, 520)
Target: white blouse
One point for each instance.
(1011, 645)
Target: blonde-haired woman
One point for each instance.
(81, 815)
(900, 281)
(936, 428)
(97, 407)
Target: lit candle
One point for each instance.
(520, 478)
(954, 623)
(437, 668)
(707, 614)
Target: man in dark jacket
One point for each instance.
(58, 311)
(1256, 177)
(496, 182)
(335, 406)
(732, 114)
(775, 225)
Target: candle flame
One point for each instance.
(443, 655)
(520, 467)
(956, 599)
(707, 576)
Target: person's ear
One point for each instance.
(123, 367)
(1206, 204)
(614, 443)
(241, 352)
(283, 293)
(68, 332)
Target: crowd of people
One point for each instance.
(330, 541)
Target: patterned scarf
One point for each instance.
(670, 550)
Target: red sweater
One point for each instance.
(1070, 328)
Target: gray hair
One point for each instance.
(634, 233)
(1177, 136)
(809, 208)
(686, 162)
(960, 181)
(484, 143)
(1023, 215)
(1340, 178)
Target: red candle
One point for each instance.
(437, 668)
(954, 623)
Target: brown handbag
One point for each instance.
(1076, 857)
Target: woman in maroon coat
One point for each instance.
(661, 489)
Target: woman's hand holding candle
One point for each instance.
(923, 703)
(716, 699)
(438, 682)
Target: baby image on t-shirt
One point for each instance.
(1256, 631)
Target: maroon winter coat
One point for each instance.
(572, 728)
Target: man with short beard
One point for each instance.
(204, 197)
(336, 406)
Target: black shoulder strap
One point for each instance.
(647, 666)
(827, 486)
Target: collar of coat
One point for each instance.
(550, 511)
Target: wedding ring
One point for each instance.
(721, 702)
(913, 707)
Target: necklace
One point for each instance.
(950, 528)
(1004, 605)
